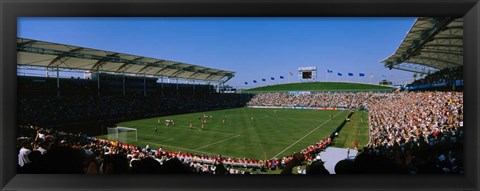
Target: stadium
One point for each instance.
(133, 114)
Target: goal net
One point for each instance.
(122, 134)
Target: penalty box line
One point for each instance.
(306, 135)
(197, 149)
(223, 140)
(148, 135)
(187, 129)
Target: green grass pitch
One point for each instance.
(270, 134)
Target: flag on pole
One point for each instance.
(254, 81)
(339, 74)
(291, 74)
(272, 78)
(246, 83)
(361, 74)
(350, 74)
(281, 77)
(329, 71)
(263, 79)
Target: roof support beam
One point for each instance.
(408, 69)
(459, 37)
(414, 67)
(24, 43)
(421, 65)
(437, 60)
(161, 70)
(175, 74)
(443, 52)
(123, 67)
(99, 65)
(443, 45)
(62, 58)
(453, 27)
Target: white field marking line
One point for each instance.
(167, 140)
(190, 150)
(154, 135)
(157, 141)
(187, 129)
(306, 135)
(149, 135)
(218, 142)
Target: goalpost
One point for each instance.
(122, 134)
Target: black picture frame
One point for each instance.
(10, 10)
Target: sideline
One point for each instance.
(217, 142)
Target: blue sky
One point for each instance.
(254, 48)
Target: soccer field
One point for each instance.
(270, 134)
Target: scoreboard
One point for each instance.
(307, 73)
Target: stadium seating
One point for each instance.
(440, 80)
(421, 132)
(323, 100)
(410, 132)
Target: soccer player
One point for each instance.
(156, 130)
(223, 120)
(251, 118)
(191, 126)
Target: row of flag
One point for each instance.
(328, 71)
(349, 74)
(263, 79)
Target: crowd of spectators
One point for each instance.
(410, 132)
(445, 75)
(420, 132)
(316, 99)
(48, 151)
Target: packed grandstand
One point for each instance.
(411, 132)
(416, 130)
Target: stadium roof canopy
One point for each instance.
(431, 44)
(52, 55)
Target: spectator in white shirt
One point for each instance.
(23, 154)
